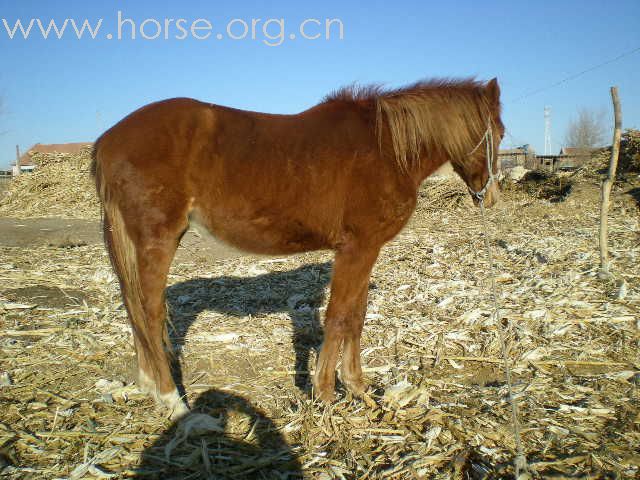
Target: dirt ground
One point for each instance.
(69, 233)
(247, 329)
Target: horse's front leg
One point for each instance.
(344, 320)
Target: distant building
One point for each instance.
(25, 164)
(543, 162)
(515, 157)
(569, 158)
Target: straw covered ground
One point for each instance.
(246, 330)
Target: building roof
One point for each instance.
(578, 151)
(25, 158)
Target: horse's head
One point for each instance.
(478, 170)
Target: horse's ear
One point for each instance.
(493, 91)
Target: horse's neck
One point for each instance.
(428, 164)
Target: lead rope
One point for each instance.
(520, 460)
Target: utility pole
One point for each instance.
(547, 130)
(17, 171)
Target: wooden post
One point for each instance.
(607, 183)
(17, 160)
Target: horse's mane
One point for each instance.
(444, 114)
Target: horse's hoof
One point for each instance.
(178, 411)
(325, 395)
(174, 403)
(357, 387)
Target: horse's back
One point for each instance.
(192, 135)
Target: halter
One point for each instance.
(488, 138)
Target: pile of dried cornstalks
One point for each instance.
(60, 186)
(439, 193)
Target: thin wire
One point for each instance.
(573, 76)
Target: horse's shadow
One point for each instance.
(635, 194)
(298, 292)
(203, 444)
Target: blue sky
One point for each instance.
(66, 90)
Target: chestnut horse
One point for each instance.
(343, 175)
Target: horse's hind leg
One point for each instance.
(154, 355)
(344, 320)
(142, 243)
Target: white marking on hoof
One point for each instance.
(171, 400)
(175, 403)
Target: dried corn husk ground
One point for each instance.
(59, 186)
(437, 406)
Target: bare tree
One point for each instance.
(587, 130)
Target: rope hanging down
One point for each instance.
(520, 461)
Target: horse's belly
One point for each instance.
(261, 235)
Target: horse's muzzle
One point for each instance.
(490, 198)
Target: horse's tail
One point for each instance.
(122, 253)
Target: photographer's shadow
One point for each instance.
(298, 292)
(207, 444)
